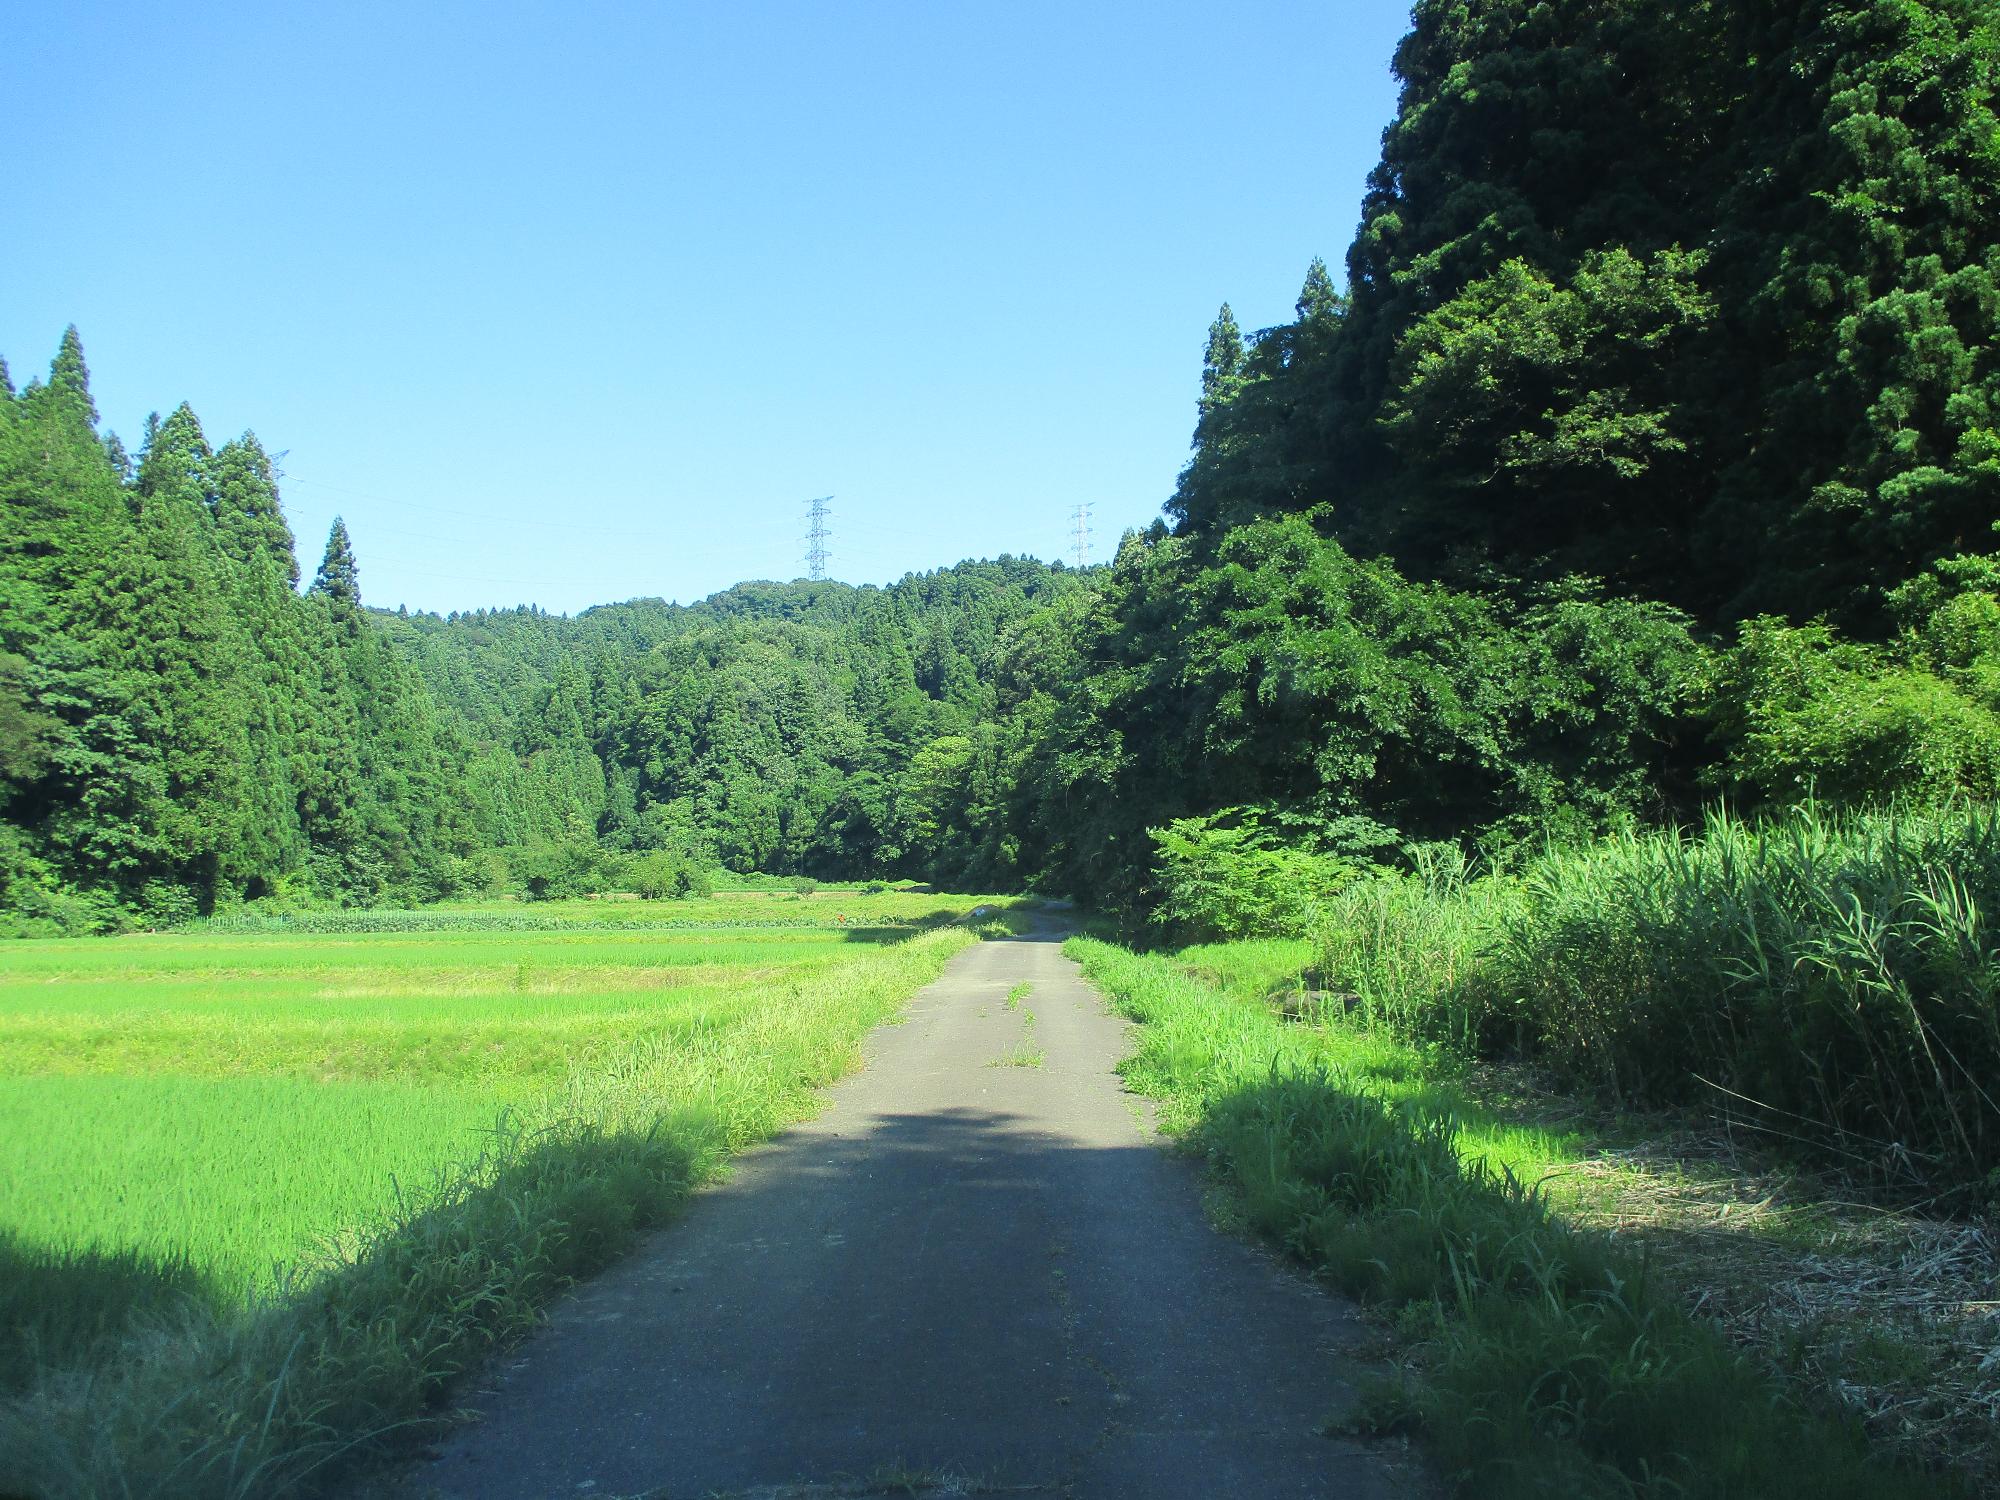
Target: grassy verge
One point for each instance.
(1543, 1359)
(144, 1386)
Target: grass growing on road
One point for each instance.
(1027, 1054)
(1548, 1362)
(355, 1163)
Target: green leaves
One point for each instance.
(1234, 874)
(1801, 712)
(1521, 377)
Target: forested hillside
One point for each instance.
(182, 729)
(177, 725)
(1696, 298)
(1650, 455)
(806, 728)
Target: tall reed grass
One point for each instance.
(1829, 978)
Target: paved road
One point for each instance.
(966, 1267)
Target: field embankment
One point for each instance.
(265, 1195)
(1539, 1353)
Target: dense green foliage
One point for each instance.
(1700, 298)
(807, 728)
(1650, 455)
(181, 730)
(1365, 708)
(180, 727)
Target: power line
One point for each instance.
(1079, 536)
(817, 534)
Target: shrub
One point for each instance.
(1802, 712)
(668, 874)
(565, 871)
(32, 908)
(1234, 874)
(163, 903)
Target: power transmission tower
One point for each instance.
(817, 534)
(1079, 535)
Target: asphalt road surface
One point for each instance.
(970, 1274)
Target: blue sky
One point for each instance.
(572, 303)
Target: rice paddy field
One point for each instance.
(233, 1122)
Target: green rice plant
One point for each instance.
(245, 1181)
(746, 908)
(72, 1306)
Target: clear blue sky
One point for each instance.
(572, 303)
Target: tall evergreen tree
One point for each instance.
(1221, 362)
(338, 580)
(177, 467)
(166, 627)
(69, 377)
(1319, 301)
(1860, 238)
(250, 522)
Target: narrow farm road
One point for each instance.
(976, 1264)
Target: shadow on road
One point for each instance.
(931, 1291)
